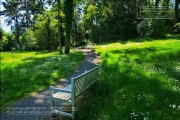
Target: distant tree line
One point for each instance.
(60, 24)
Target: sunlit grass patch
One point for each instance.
(26, 72)
(140, 80)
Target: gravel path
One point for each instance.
(38, 106)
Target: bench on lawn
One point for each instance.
(77, 87)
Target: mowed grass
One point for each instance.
(25, 72)
(140, 80)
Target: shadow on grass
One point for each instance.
(145, 39)
(34, 74)
(173, 36)
(133, 90)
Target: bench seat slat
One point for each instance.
(61, 95)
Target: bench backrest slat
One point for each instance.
(82, 82)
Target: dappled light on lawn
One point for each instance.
(26, 72)
(141, 80)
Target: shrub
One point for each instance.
(7, 41)
(156, 28)
(177, 28)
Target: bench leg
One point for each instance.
(73, 114)
(73, 110)
(73, 98)
(51, 100)
(52, 107)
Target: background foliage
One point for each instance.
(68, 23)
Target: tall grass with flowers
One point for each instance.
(140, 81)
(25, 72)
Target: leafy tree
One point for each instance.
(3, 39)
(13, 14)
(7, 41)
(19, 12)
(29, 40)
(30, 8)
(157, 27)
(76, 29)
(117, 20)
(1, 33)
(90, 22)
(46, 31)
(57, 6)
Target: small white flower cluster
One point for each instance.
(135, 115)
(174, 106)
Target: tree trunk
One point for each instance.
(17, 30)
(67, 47)
(49, 34)
(68, 23)
(157, 2)
(59, 29)
(166, 2)
(176, 10)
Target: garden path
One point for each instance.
(37, 107)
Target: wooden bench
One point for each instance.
(77, 87)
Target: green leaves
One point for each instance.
(156, 28)
(46, 30)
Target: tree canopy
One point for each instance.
(57, 24)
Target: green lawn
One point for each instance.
(25, 72)
(140, 80)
